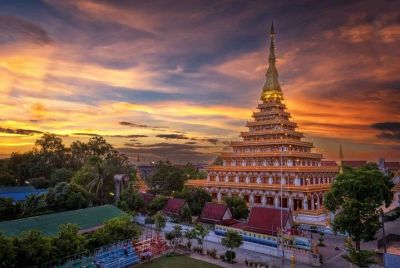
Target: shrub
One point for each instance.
(212, 253)
(230, 255)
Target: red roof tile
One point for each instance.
(147, 197)
(174, 206)
(265, 220)
(392, 165)
(354, 163)
(213, 213)
(328, 163)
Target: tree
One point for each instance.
(60, 175)
(159, 221)
(68, 241)
(67, 196)
(8, 209)
(31, 249)
(120, 228)
(7, 178)
(355, 196)
(199, 233)
(7, 252)
(157, 204)
(238, 207)
(195, 197)
(186, 214)
(189, 235)
(131, 200)
(361, 258)
(231, 240)
(175, 236)
(166, 179)
(33, 204)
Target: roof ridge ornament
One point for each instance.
(272, 89)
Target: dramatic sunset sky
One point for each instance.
(178, 79)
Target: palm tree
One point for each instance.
(99, 172)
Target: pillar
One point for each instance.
(219, 196)
(247, 179)
(226, 178)
(290, 205)
(208, 177)
(251, 199)
(217, 178)
(263, 200)
(270, 180)
(305, 203)
(276, 201)
(312, 203)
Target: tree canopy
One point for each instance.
(167, 179)
(237, 206)
(355, 196)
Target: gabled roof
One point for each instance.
(147, 197)
(354, 163)
(87, 219)
(213, 213)
(265, 220)
(174, 206)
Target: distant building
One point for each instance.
(388, 167)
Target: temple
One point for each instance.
(271, 158)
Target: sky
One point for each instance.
(178, 80)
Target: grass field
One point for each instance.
(176, 262)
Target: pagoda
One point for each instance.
(272, 164)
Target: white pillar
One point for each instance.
(305, 203)
(290, 202)
(217, 178)
(219, 196)
(258, 179)
(263, 200)
(237, 179)
(251, 199)
(270, 180)
(247, 179)
(276, 201)
(312, 203)
(226, 178)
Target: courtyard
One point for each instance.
(177, 261)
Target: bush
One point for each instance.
(230, 255)
(212, 253)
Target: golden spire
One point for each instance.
(271, 89)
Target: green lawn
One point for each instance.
(176, 262)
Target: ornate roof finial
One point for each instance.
(272, 88)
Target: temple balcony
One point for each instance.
(272, 141)
(271, 112)
(271, 122)
(274, 168)
(259, 186)
(271, 132)
(271, 105)
(273, 154)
